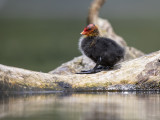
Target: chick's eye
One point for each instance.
(89, 28)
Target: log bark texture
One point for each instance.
(134, 73)
(138, 74)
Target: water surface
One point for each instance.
(81, 106)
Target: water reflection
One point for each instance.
(81, 106)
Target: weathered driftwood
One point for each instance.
(106, 29)
(139, 73)
(133, 74)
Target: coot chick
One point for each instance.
(103, 51)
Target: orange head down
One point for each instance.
(90, 30)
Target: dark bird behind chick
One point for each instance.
(103, 51)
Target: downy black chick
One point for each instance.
(103, 51)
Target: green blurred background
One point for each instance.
(42, 34)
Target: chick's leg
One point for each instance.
(94, 70)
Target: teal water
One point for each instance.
(81, 106)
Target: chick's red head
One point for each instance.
(90, 30)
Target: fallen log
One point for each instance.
(138, 74)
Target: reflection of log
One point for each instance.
(90, 106)
(140, 73)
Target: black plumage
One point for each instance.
(103, 51)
